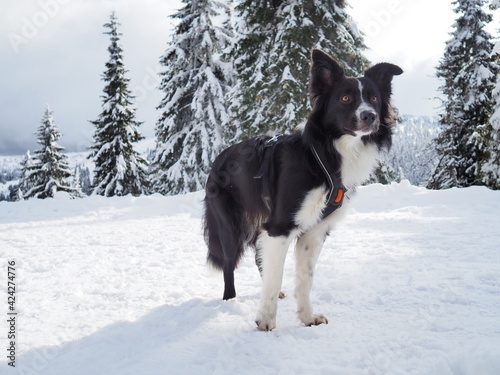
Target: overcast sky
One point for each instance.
(53, 52)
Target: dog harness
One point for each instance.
(336, 189)
(335, 196)
(266, 169)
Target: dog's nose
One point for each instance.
(368, 117)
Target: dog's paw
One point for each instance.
(265, 324)
(316, 320)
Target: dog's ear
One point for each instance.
(325, 71)
(382, 75)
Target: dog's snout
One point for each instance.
(368, 117)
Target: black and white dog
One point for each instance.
(265, 192)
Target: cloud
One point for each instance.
(416, 90)
(54, 51)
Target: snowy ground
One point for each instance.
(410, 282)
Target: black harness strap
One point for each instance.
(335, 196)
(336, 190)
(265, 173)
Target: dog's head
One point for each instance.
(344, 105)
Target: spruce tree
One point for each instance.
(491, 168)
(119, 169)
(77, 186)
(48, 170)
(468, 73)
(195, 82)
(273, 57)
(83, 174)
(26, 179)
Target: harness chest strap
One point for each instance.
(335, 196)
(336, 192)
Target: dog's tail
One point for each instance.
(224, 230)
(224, 237)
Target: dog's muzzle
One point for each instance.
(368, 122)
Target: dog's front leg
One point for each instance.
(307, 252)
(273, 253)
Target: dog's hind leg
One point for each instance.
(229, 289)
(232, 249)
(307, 252)
(224, 256)
(273, 253)
(216, 258)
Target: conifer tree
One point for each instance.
(491, 168)
(468, 74)
(26, 179)
(49, 170)
(83, 174)
(119, 169)
(77, 186)
(195, 82)
(273, 57)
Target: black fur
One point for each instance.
(235, 212)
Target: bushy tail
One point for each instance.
(223, 233)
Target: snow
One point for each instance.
(409, 281)
(412, 155)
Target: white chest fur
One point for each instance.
(358, 159)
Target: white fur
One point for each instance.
(273, 253)
(358, 159)
(360, 86)
(307, 251)
(312, 207)
(364, 106)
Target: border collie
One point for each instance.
(266, 191)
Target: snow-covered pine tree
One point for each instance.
(77, 186)
(383, 174)
(468, 72)
(83, 174)
(49, 169)
(119, 169)
(273, 57)
(495, 117)
(26, 179)
(195, 83)
(491, 168)
(413, 152)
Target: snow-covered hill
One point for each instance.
(410, 282)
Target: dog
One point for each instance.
(266, 191)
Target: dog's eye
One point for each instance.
(374, 99)
(345, 99)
